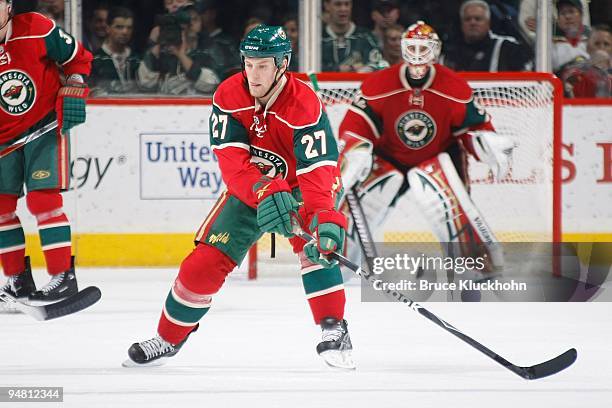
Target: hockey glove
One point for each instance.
(276, 205)
(329, 229)
(495, 150)
(70, 104)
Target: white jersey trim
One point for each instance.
(316, 166)
(233, 144)
(366, 118)
(74, 52)
(29, 36)
(232, 110)
(296, 126)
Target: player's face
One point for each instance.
(4, 12)
(339, 11)
(261, 73)
(475, 24)
(120, 31)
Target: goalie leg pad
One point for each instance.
(191, 294)
(443, 200)
(376, 195)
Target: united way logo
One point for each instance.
(17, 92)
(416, 129)
(269, 163)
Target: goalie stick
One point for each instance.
(533, 372)
(72, 304)
(28, 138)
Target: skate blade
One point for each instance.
(339, 360)
(155, 363)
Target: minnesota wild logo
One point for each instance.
(269, 163)
(17, 92)
(416, 129)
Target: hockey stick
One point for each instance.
(28, 138)
(72, 304)
(533, 372)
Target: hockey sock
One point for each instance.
(324, 290)
(53, 228)
(12, 238)
(201, 275)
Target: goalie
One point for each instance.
(407, 133)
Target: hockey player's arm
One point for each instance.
(75, 61)
(359, 130)
(478, 136)
(230, 142)
(317, 172)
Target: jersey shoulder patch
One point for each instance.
(31, 25)
(383, 82)
(447, 83)
(232, 96)
(298, 106)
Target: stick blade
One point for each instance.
(550, 367)
(82, 300)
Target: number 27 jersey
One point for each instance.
(290, 138)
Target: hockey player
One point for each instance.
(34, 52)
(275, 149)
(407, 131)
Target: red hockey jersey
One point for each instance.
(290, 138)
(29, 74)
(406, 125)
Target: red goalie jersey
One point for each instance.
(409, 125)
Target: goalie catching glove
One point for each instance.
(329, 229)
(493, 149)
(357, 163)
(70, 104)
(276, 205)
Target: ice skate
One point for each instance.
(153, 352)
(59, 287)
(336, 347)
(20, 286)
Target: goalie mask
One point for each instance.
(420, 49)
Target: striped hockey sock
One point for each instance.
(55, 238)
(12, 245)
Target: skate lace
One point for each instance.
(333, 333)
(155, 347)
(55, 281)
(10, 284)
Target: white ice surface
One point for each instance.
(256, 348)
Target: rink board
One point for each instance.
(144, 177)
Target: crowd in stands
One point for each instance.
(187, 47)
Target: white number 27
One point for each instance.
(218, 120)
(309, 141)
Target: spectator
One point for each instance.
(571, 35)
(175, 66)
(600, 39)
(385, 13)
(290, 24)
(479, 49)
(583, 79)
(220, 45)
(527, 17)
(54, 9)
(96, 28)
(114, 65)
(171, 6)
(345, 46)
(392, 48)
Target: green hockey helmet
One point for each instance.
(266, 41)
